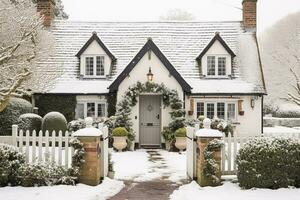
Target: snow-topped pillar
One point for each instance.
(208, 152)
(90, 137)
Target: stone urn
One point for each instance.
(180, 143)
(120, 142)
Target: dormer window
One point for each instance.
(94, 66)
(216, 66)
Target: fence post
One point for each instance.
(104, 150)
(14, 134)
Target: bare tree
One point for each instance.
(23, 43)
(295, 98)
(177, 15)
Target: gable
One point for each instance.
(150, 46)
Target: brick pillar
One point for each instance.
(46, 9)
(201, 145)
(250, 14)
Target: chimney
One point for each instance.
(249, 15)
(46, 8)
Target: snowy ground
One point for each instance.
(231, 191)
(139, 166)
(105, 190)
(284, 131)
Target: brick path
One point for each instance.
(159, 189)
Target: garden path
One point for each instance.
(158, 181)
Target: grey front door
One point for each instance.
(150, 120)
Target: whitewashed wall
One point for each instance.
(93, 50)
(161, 75)
(248, 124)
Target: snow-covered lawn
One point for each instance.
(138, 166)
(105, 190)
(231, 191)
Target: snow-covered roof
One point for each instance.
(180, 42)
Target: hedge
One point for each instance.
(65, 104)
(10, 115)
(269, 163)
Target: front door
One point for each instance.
(150, 116)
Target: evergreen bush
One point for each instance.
(181, 132)
(269, 163)
(10, 115)
(54, 121)
(30, 121)
(10, 162)
(65, 104)
(119, 132)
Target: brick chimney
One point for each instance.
(249, 14)
(46, 8)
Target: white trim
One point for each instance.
(94, 65)
(227, 69)
(93, 100)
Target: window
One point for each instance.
(100, 65)
(221, 66)
(200, 109)
(210, 110)
(231, 111)
(222, 110)
(216, 66)
(211, 68)
(94, 66)
(90, 109)
(89, 66)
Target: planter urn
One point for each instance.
(180, 143)
(120, 142)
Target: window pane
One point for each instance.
(222, 66)
(100, 66)
(89, 66)
(211, 68)
(231, 111)
(210, 110)
(90, 109)
(200, 109)
(101, 110)
(221, 110)
(79, 112)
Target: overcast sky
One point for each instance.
(269, 11)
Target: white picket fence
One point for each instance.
(228, 152)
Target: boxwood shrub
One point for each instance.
(10, 115)
(64, 104)
(181, 132)
(269, 163)
(119, 132)
(30, 121)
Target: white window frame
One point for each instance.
(96, 107)
(94, 66)
(217, 66)
(215, 107)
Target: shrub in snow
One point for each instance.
(54, 121)
(119, 132)
(10, 115)
(181, 132)
(75, 125)
(30, 121)
(10, 162)
(269, 163)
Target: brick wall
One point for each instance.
(250, 14)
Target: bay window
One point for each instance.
(90, 109)
(222, 110)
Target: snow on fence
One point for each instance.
(42, 146)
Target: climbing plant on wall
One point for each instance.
(169, 97)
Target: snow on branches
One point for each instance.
(23, 43)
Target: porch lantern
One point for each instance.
(150, 75)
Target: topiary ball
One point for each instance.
(10, 115)
(120, 132)
(181, 132)
(54, 121)
(30, 121)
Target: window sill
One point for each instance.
(217, 77)
(93, 77)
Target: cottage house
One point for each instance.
(214, 66)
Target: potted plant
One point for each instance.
(120, 138)
(180, 135)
